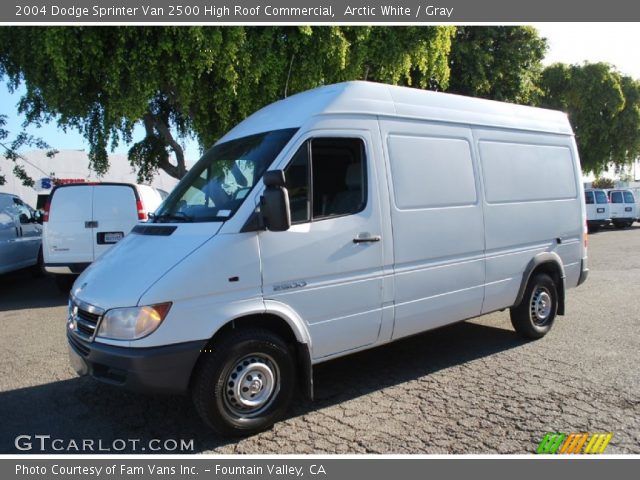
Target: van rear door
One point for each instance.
(629, 204)
(114, 215)
(69, 229)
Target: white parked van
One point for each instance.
(598, 211)
(330, 222)
(84, 220)
(623, 208)
(20, 235)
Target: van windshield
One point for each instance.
(217, 185)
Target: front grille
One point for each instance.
(86, 323)
(78, 346)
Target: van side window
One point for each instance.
(336, 168)
(616, 197)
(628, 197)
(588, 197)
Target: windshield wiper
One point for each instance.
(169, 217)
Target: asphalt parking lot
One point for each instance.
(473, 387)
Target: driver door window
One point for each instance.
(326, 178)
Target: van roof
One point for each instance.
(371, 98)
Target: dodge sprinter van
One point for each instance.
(333, 221)
(84, 220)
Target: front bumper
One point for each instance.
(165, 369)
(584, 272)
(66, 268)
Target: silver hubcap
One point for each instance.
(251, 385)
(541, 306)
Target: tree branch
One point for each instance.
(286, 85)
(153, 124)
(166, 135)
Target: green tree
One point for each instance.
(197, 81)
(10, 150)
(500, 63)
(602, 182)
(625, 129)
(593, 97)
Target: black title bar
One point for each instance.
(316, 11)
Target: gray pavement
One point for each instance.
(473, 387)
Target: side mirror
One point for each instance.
(274, 203)
(37, 217)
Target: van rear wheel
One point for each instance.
(535, 314)
(244, 383)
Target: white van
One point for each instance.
(20, 235)
(84, 220)
(334, 221)
(598, 211)
(623, 208)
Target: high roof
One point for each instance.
(386, 100)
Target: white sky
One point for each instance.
(614, 43)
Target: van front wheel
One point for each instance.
(244, 383)
(535, 314)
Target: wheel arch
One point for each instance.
(551, 264)
(289, 327)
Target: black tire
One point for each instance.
(620, 225)
(242, 363)
(535, 315)
(593, 228)
(38, 269)
(64, 283)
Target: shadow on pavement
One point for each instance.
(22, 290)
(81, 408)
(611, 228)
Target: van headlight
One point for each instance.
(132, 323)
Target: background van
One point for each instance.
(598, 211)
(20, 235)
(623, 208)
(82, 221)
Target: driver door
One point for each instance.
(328, 265)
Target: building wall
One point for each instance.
(70, 164)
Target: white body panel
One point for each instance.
(522, 221)
(463, 194)
(434, 199)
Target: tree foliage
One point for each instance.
(10, 149)
(200, 81)
(500, 63)
(181, 81)
(604, 110)
(602, 182)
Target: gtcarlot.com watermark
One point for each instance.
(47, 443)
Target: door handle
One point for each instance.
(366, 237)
(91, 224)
